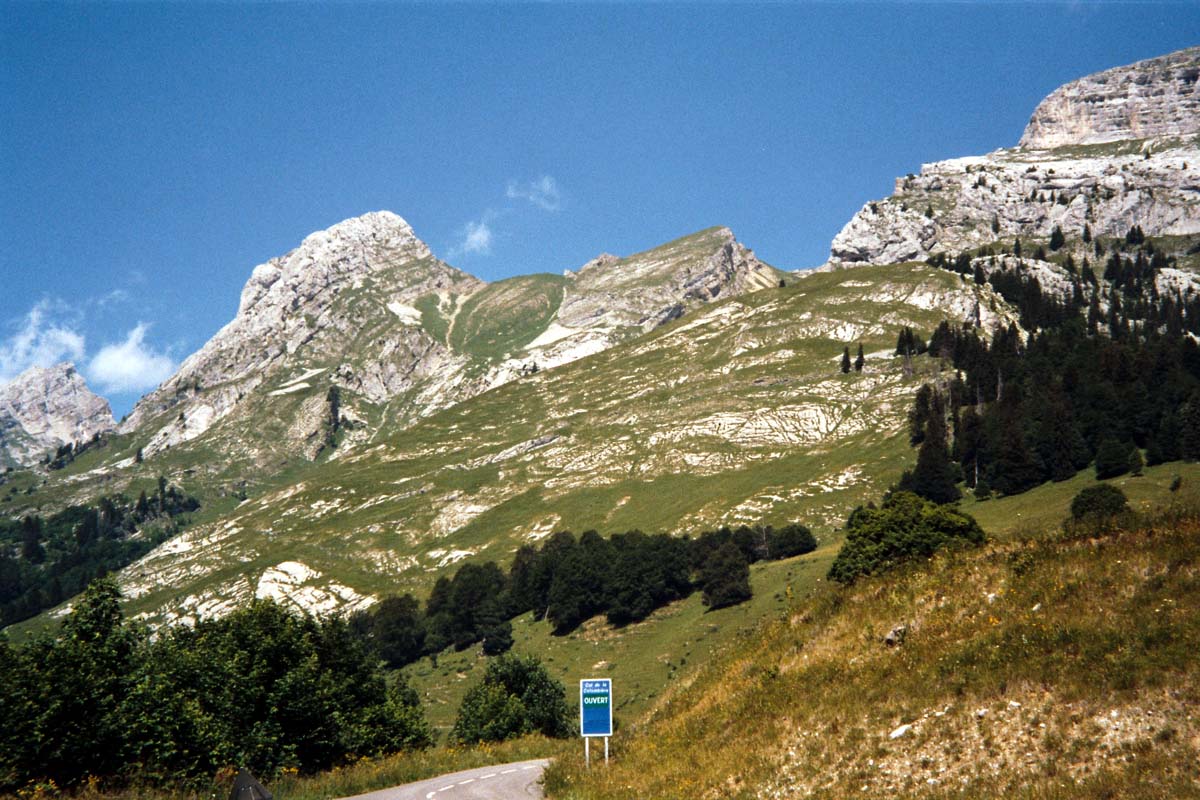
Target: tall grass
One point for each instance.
(1056, 666)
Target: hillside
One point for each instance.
(1042, 665)
(1110, 151)
(365, 307)
(737, 413)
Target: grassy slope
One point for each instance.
(735, 413)
(505, 316)
(645, 659)
(1079, 653)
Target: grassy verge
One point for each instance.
(365, 775)
(1039, 667)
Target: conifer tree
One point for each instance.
(1057, 240)
(845, 360)
(860, 361)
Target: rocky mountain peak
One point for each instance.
(349, 249)
(45, 407)
(305, 307)
(1153, 98)
(1112, 184)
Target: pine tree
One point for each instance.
(1135, 462)
(1112, 458)
(845, 360)
(1189, 425)
(935, 475)
(1057, 240)
(860, 361)
(31, 540)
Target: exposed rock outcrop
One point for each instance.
(321, 306)
(46, 407)
(1097, 176)
(1153, 98)
(366, 306)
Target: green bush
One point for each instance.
(905, 528)
(517, 696)
(791, 540)
(1101, 500)
(725, 577)
(262, 688)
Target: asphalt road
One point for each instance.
(517, 781)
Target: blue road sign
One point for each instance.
(595, 707)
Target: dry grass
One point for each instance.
(1046, 667)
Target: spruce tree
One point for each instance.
(1057, 240)
(1112, 458)
(845, 360)
(860, 361)
(1189, 427)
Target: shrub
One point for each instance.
(905, 528)
(725, 577)
(792, 540)
(516, 696)
(1101, 500)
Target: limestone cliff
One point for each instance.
(44, 408)
(1096, 173)
(1153, 98)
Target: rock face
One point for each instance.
(366, 306)
(1097, 175)
(307, 313)
(44, 408)
(1153, 98)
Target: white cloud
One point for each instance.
(542, 192)
(116, 296)
(40, 342)
(130, 366)
(476, 238)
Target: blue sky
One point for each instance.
(152, 155)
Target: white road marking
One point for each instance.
(531, 766)
(468, 780)
(446, 788)
(489, 775)
(430, 795)
(505, 772)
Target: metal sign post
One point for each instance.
(595, 714)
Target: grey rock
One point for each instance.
(1109, 183)
(46, 407)
(1153, 98)
(896, 636)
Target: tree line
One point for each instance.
(567, 580)
(1088, 386)
(262, 688)
(46, 560)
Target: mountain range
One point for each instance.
(372, 415)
